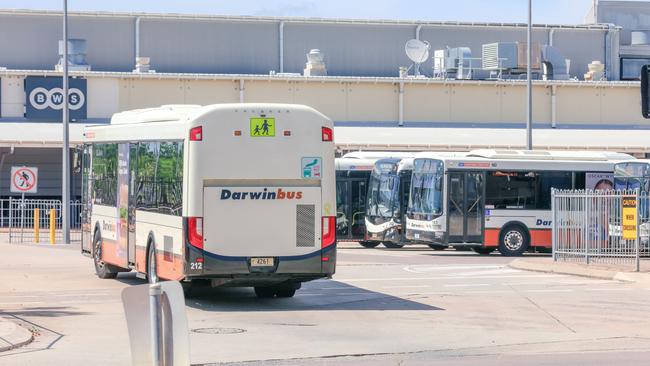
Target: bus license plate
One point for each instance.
(262, 262)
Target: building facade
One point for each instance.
(213, 59)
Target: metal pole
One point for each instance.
(529, 104)
(65, 196)
(155, 293)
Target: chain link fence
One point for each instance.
(38, 221)
(601, 227)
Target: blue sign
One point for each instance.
(44, 98)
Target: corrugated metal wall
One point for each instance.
(48, 162)
(252, 47)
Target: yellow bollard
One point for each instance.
(37, 225)
(52, 226)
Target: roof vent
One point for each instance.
(142, 65)
(315, 64)
(76, 56)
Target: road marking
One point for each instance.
(414, 286)
(427, 268)
(444, 278)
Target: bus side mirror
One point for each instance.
(76, 160)
(438, 183)
(645, 89)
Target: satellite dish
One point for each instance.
(418, 52)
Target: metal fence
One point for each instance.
(38, 221)
(604, 227)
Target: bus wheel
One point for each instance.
(266, 292)
(484, 250)
(152, 272)
(103, 269)
(369, 244)
(513, 241)
(286, 290)
(391, 245)
(437, 247)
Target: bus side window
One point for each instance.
(579, 180)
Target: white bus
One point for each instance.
(493, 199)
(233, 194)
(388, 193)
(352, 174)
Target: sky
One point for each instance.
(544, 11)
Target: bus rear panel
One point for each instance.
(260, 197)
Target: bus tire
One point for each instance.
(265, 292)
(513, 241)
(437, 247)
(369, 244)
(102, 269)
(484, 250)
(391, 245)
(152, 270)
(285, 292)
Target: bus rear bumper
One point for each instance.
(421, 236)
(238, 271)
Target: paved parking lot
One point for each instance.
(414, 306)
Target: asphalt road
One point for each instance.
(384, 307)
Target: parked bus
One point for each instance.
(352, 174)
(233, 194)
(388, 194)
(498, 199)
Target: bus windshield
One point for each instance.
(632, 176)
(426, 187)
(383, 190)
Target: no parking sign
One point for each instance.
(24, 179)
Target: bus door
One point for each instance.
(466, 207)
(125, 223)
(133, 190)
(86, 202)
(351, 208)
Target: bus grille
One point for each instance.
(305, 225)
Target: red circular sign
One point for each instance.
(24, 179)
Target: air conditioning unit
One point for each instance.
(76, 56)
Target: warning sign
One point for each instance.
(629, 217)
(262, 127)
(24, 179)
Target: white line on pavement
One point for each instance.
(414, 286)
(444, 278)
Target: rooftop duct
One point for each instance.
(315, 64)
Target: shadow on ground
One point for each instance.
(314, 296)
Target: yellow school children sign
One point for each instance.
(629, 217)
(262, 127)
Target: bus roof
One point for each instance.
(355, 164)
(532, 155)
(377, 154)
(187, 112)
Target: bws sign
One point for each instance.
(44, 98)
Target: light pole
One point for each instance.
(529, 81)
(65, 199)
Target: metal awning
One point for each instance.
(44, 134)
(464, 139)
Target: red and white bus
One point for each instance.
(235, 194)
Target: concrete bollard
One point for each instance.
(52, 226)
(37, 225)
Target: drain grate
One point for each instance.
(219, 330)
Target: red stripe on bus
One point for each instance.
(169, 270)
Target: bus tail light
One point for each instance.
(196, 133)
(328, 231)
(195, 231)
(328, 134)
